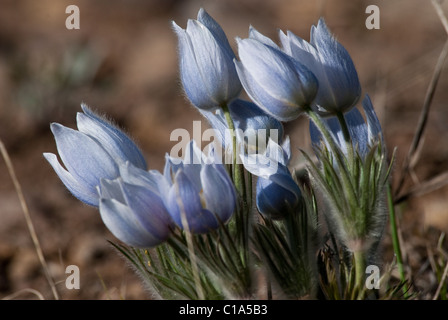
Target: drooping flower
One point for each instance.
(278, 84)
(132, 208)
(339, 87)
(91, 153)
(207, 71)
(199, 193)
(277, 194)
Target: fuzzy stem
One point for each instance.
(344, 127)
(236, 172)
(344, 171)
(360, 266)
(240, 184)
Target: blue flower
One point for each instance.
(278, 84)
(199, 194)
(339, 87)
(363, 134)
(91, 153)
(207, 71)
(277, 194)
(252, 124)
(132, 208)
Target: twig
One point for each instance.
(26, 290)
(442, 282)
(441, 14)
(28, 218)
(424, 187)
(412, 154)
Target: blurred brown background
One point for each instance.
(123, 62)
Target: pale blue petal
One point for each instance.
(272, 70)
(279, 109)
(192, 164)
(211, 60)
(343, 89)
(285, 180)
(272, 200)
(256, 35)
(80, 190)
(136, 176)
(83, 157)
(184, 200)
(216, 30)
(374, 126)
(219, 124)
(111, 189)
(219, 192)
(149, 209)
(190, 75)
(124, 225)
(248, 116)
(358, 131)
(280, 85)
(299, 49)
(116, 142)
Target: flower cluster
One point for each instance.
(204, 204)
(106, 169)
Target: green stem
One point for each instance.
(243, 210)
(344, 171)
(237, 173)
(360, 267)
(344, 126)
(347, 138)
(395, 238)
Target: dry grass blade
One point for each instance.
(440, 13)
(442, 282)
(424, 187)
(28, 218)
(26, 290)
(412, 153)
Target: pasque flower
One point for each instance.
(91, 153)
(277, 194)
(198, 192)
(339, 87)
(353, 176)
(207, 71)
(132, 208)
(280, 85)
